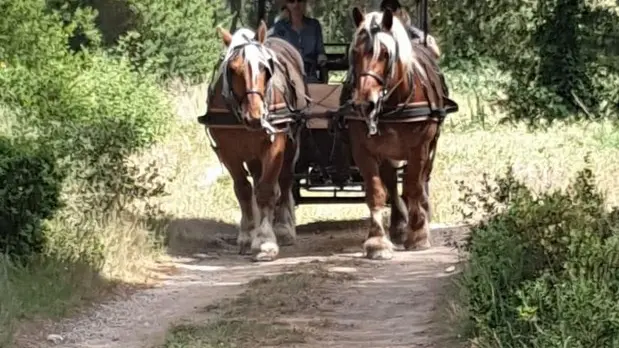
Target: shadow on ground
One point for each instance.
(205, 239)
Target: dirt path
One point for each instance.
(388, 304)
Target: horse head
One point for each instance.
(247, 70)
(382, 62)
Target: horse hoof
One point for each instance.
(268, 252)
(244, 247)
(378, 248)
(284, 236)
(419, 246)
(398, 247)
(286, 240)
(379, 255)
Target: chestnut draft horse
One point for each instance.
(252, 122)
(399, 97)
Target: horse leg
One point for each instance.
(399, 216)
(285, 220)
(426, 205)
(247, 203)
(377, 246)
(430, 166)
(418, 236)
(264, 243)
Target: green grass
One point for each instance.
(466, 151)
(46, 289)
(51, 289)
(232, 334)
(542, 270)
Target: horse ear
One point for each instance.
(262, 32)
(387, 19)
(226, 37)
(357, 16)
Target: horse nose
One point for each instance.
(371, 106)
(368, 107)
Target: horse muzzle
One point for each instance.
(369, 111)
(252, 123)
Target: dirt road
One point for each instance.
(398, 303)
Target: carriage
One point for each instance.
(290, 136)
(325, 171)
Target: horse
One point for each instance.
(430, 41)
(399, 100)
(252, 122)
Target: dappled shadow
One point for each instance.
(393, 306)
(186, 237)
(331, 226)
(206, 241)
(69, 288)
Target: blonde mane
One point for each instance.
(253, 54)
(397, 43)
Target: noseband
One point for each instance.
(372, 117)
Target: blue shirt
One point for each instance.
(308, 41)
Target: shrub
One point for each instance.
(543, 269)
(89, 110)
(175, 38)
(29, 193)
(555, 52)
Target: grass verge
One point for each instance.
(129, 243)
(542, 268)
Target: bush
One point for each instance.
(554, 54)
(543, 270)
(89, 110)
(29, 194)
(175, 38)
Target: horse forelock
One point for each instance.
(397, 43)
(254, 54)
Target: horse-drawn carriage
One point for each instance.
(314, 137)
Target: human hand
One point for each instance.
(322, 59)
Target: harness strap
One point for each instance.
(412, 112)
(211, 141)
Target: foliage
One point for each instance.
(29, 194)
(552, 49)
(174, 39)
(89, 111)
(543, 269)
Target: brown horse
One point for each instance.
(399, 97)
(261, 82)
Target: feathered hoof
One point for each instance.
(378, 248)
(267, 252)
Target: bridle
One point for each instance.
(231, 99)
(383, 81)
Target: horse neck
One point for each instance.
(406, 84)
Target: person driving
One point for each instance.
(302, 32)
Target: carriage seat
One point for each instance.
(325, 101)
